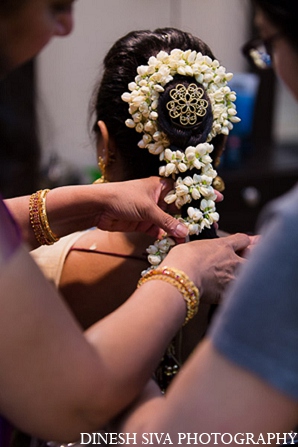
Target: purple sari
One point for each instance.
(5, 433)
(10, 239)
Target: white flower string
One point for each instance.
(159, 250)
(143, 99)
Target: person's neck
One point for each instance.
(129, 242)
(139, 239)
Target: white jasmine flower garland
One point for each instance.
(143, 98)
(149, 83)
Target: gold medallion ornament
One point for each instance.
(187, 104)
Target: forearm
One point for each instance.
(76, 383)
(133, 340)
(69, 209)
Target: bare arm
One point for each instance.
(127, 206)
(76, 383)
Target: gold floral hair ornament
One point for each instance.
(187, 104)
(143, 98)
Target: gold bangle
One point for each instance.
(181, 281)
(34, 216)
(39, 220)
(49, 235)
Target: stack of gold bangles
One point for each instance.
(181, 281)
(39, 220)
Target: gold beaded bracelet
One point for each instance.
(39, 219)
(181, 281)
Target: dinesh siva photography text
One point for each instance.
(187, 438)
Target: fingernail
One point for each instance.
(220, 197)
(181, 230)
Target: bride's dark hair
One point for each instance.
(120, 68)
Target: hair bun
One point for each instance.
(184, 112)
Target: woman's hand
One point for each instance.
(138, 205)
(210, 263)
